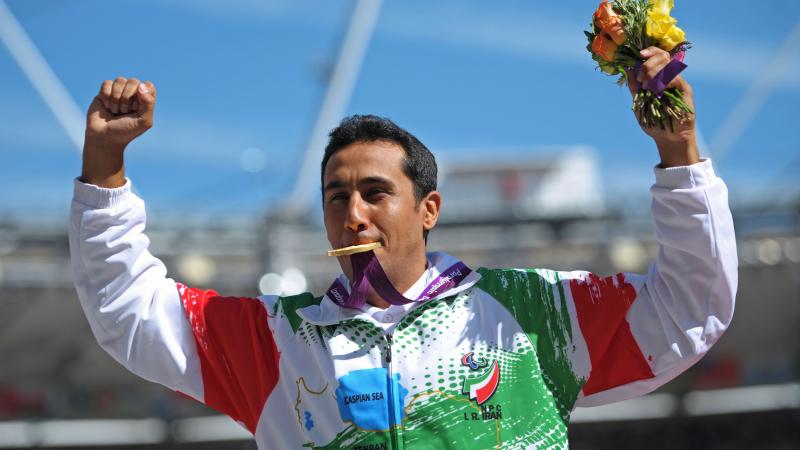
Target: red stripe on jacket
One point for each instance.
(238, 355)
(601, 305)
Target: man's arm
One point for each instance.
(640, 331)
(637, 332)
(606, 339)
(218, 350)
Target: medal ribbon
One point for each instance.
(667, 74)
(367, 271)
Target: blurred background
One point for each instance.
(542, 165)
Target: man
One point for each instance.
(492, 358)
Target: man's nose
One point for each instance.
(356, 215)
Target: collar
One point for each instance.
(329, 313)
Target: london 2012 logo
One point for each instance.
(482, 387)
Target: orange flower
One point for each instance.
(604, 46)
(610, 22)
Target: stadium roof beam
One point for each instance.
(753, 99)
(337, 97)
(44, 80)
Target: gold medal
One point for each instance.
(354, 249)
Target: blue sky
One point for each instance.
(464, 76)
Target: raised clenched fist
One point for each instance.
(121, 112)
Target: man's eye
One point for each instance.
(375, 192)
(338, 197)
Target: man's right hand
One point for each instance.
(121, 112)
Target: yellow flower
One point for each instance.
(658, 25)
(674, 37)
(661, 26)
(662, 7)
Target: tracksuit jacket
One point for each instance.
(498, 359)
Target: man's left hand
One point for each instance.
(678, 147)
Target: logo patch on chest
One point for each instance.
(482, 387)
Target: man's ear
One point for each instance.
(431, 205)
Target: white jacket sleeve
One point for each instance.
(641, 331)
(134, 310)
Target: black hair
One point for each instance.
(419, 166)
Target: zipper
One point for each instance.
(391, 394)
(389, 351)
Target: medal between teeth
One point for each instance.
(367, 272)
(354, 249)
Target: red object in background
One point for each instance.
(719, 372)
(105, 401)
(512, 185)
(15, 403)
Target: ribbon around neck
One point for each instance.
(665, 76)
(367, 271)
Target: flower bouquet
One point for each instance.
(620, 29)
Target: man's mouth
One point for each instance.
(366, 242)
(363, 241)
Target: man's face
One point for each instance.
(367, 198)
